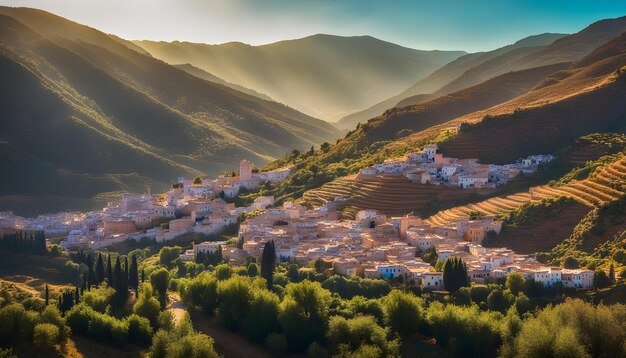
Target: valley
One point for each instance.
(230, 184)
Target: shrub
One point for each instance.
(465, 330)
(147, 306)
(45, 335)
(139, 330)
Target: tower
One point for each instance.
(245, 170)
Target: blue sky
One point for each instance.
(471, 25)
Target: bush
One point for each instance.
(572, 329)
(147, 306)
(84, 319)
(45, 335)
(139, 330)
(98, 298)
(17, 324)
(201, 292)
(465, 330)
(276, 344)
(349, 335)
(168, 255)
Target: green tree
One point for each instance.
(100, 269)
(454, 274)
(600, 279)
(262, 317)
(612, 275)
(253, 269)
(304, 314)
(234, 296)
(496, 301)
(133, 273)
(168, 254)
(515, 282)
(147, 305)
(403, 312)
(571, 263)
(160, 280)
(268, 261)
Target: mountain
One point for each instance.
(472, 69)
(85, 116)
(322, 75)
(195, 71)
(446, 74)
(561, 103)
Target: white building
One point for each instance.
(432, 280)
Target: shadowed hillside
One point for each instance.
(322, 75)
(75, 101)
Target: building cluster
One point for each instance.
(190, 206)
(230, 184)
(430, 167)
(374, 246)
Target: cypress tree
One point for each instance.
(143, 276)
(268, 261)
(133, 273)
(77, 296)
(47, 295)
(91, 274)
(109, 271)
(117, 275)
(100, 269)
(612, 274)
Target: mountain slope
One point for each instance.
(75, 101)
(322, 75)
(471, 69)
(195, 71)
(445, 75)
(586, 97)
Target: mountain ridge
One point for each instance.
(322, 75)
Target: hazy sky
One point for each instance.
(470, 25)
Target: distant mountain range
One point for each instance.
(471, 69)
(324, 76)
(84, 115)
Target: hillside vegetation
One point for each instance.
(75, 101)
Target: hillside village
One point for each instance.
(370, 246)
(430, 167)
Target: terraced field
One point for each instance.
(608, 185)
(392, 195)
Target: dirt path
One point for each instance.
(227, 343)
(177, 307)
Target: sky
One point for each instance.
(470, 25)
